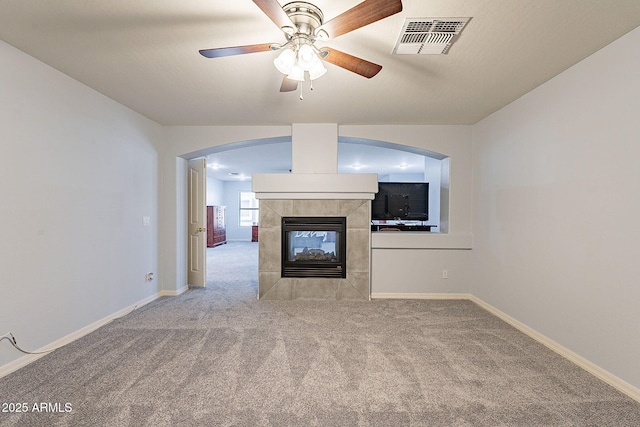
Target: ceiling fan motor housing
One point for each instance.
(305, 16)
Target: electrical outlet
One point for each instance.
(445, 274)
(149, 277)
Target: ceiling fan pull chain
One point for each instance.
(301, 85)
(311, 84)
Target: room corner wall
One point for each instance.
(556, 209)
(78, 172)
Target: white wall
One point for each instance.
(402, 177)
(215, 192)
(417, 272)
(232, 191)
(78, 172)
(557, 208)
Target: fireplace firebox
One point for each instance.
(314, 247)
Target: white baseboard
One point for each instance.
(385, 295)
(174, 293)
(29, 358)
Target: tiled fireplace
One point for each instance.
(314, 189)
(272, 284)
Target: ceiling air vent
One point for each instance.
(428, 36)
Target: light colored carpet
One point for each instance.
(219, 357)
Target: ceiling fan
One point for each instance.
(303, 24)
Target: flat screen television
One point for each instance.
(401, 201)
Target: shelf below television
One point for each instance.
(400, 227)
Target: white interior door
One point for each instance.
(197, 223)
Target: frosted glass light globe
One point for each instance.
(307, 58)
(284, 62)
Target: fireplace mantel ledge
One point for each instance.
(297, 186)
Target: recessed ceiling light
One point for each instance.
(215, 166)
(357, 166)
(403, 166)
(241, 176)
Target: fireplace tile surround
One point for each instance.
(271, 286)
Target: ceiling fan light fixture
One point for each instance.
(285, 61)
(317, 71)
(303, 24)
(297, 73)
(294, 61)
(307, 57)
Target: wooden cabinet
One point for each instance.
(216, 228)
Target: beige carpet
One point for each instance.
(219, 357)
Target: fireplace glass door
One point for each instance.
(313, 247)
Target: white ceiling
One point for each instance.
(144, 54)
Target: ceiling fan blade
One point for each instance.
(352, 63)
(274, 11)
(365, 13)
(235, 50)
(288, 85)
